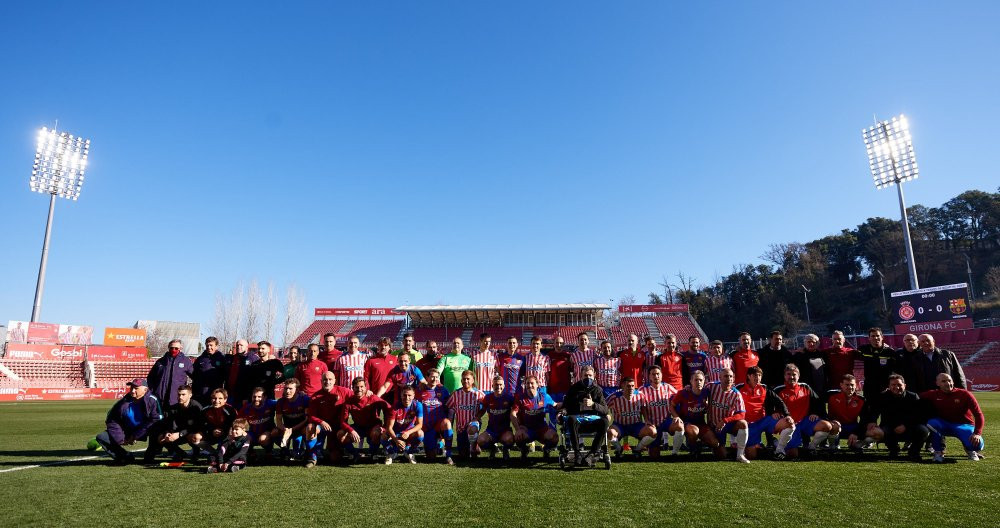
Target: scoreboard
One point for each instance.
(937, 309)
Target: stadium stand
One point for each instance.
(315, 332)
(679, 325)
(633, 325)
(441, 335)
(29, 373)
(115, 374)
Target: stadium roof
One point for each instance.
(491, 314)
(506, 307)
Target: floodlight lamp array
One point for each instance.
(890, 152)
(60, 163)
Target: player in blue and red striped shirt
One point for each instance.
(437, 426)
(259, 414)
(529, 417)
(403, 375)
(290, 418)
(497, 405)
(465, 407)
(510, 365)
(689, 407)
(404, 426)
(626, 405)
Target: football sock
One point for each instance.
(741, 441)
(784, 437)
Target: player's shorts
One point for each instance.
(763, 426)
(663, 426)
(728, 429)
(804, 429)
(557, 397)
(848, 429)
(940, 429)
(537, 433)
(629, 429)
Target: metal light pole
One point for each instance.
(805, 293)
(60, 162)
(892, 161)
(881, 283)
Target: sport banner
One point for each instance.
(49, 333)
(43, 333)
(652, 308)
(26, 351)
(111, 353)
(321, 312)
(62, 393)
(984, 383)
(937, 309)
(75, 353)
(125, 337)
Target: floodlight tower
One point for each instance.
(892, 162)
(60, 161)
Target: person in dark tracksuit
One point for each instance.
(232, 453)
(209, 372)
(169, 373)
(903, 418)
(180, 421)
(585, 398)
(129, 420)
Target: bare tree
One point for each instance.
(270, 312)
(668, 292)
(253, 312)
(993, 280)
(228, 317)
(156, 340)
(295, 315)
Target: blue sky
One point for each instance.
(385, 153)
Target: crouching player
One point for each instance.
(656, 397)
(323, 416)
(956, 413)
(181, 419)
(626, 405)
(216, 421)
(437, 426)
(259, 413)
(363, 408)
(766, 414)
(528, 417)
(726, 415)
(290, 419)
(497, 405)
(900, 418)
(805, 408)
(465, 407)
(231, 455)
(844, 410)
(689, 407)
(129, 420)
(404, 426)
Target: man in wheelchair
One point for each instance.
(586, 412)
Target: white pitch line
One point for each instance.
(57, 462)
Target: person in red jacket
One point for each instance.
(323, 418)
(310, 371)
(840, 359)
(633, 361)
(671, 363)
(364, 408)
(744, 357)
(844, 410)
(956, 413)
(379, 366)
(561, 366)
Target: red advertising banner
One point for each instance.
(110, 353)
(75, 352)
(43, 333)
(639, 308)
(26, 351)
(934, 326)
(127, 337)
(984, 383)
(321, 312)
(43, 394)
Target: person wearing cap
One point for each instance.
(170, 373)
(129, 420)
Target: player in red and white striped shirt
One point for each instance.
(726, 414)
(583, 356)
(464, 409)
(484, 363)
(537, 364)
(607, 369)
(649, 347)
(350, 364)
(626, 405)
(716, 362)
(656, 410)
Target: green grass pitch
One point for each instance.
(811, 493)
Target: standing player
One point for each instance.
(608, 369)
(497, 405)
(437, 426)
(310, 372)
(403, 375)
(404, 425)
(363, 409)
(208, 371)
(716, 362)
(956, 413)
(633, 361)
(766, 414)
(689, 408)
(453, 365)
(350, 364)
(744, 357)
(811, 362)
(330, 352)
(806, 408)
(649, 348)
(529, 417)
(694, 358)
(510, 365)
(583, 356)
(626, 405)
(671, 363)
(169, 373)
(464, 410)
(656, 397)
(844, 411)
(561, 365)
(290, 419)
(268, 373)
(378, 367)
(773, 358)
(726, 415)
(430, 359)
(409, 346)
(324, 415)
(839, 359)
(881, 361)
(259, 414)
(484, 362)
(537, 364)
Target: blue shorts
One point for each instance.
(728, 429)
(665, 425)
(940, 429)
(629, 429)
(763, 426)
(496, 432)
(537, 433)
(848, 429)
(557, 397)
(803, 429)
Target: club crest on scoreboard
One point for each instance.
(957, 306)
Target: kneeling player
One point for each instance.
(216, 421)
(531, 408)
(805, 408)
(404, 426)
(656, 410)
(498, 405)
(766, 414)
(465, 407)
(726, 415)
(259, 414)
(324, 416)
(626, 405)
(688, 407)
(290, 419)
(844, 410)
(363, 409)
(956, 413)
(437, 426)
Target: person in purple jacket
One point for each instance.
(129, 420)
(170, 373)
